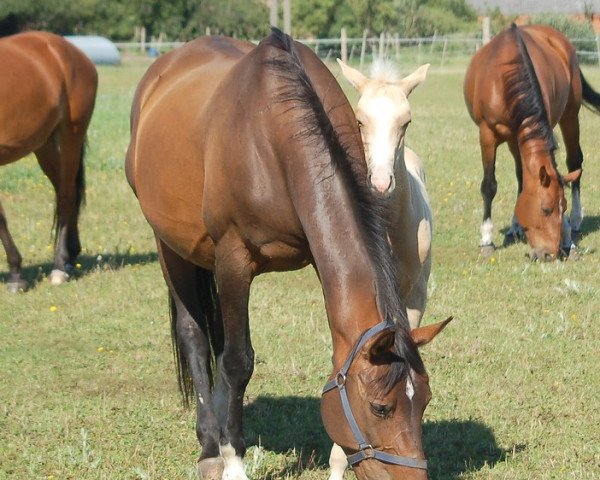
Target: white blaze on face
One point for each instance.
(384, 114)
(234, 466)
(410, 388)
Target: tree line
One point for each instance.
(249, 19)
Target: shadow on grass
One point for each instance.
(89, 263)
(284, 424)
(590, 225)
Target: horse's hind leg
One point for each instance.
(489, 187)
(234, 274)
(194, 312)
(15, 281)
(569, 126)
(61, 159)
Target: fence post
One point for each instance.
(381, 45)
(143, 39)
(363, 48)
(444, 51)
(344, 40)
(274, 13)
(598, 48)
(486, 35)
(287, 17)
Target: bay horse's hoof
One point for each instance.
(58, 277)
(17, 286)
(210, 468)
(573, 254)
(487, 250)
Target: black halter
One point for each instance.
(365, 450)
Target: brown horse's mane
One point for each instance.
(371, 211)
(524, 97)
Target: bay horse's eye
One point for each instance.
(546, 211)
(380, 410)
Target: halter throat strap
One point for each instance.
(365, 450)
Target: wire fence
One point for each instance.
(437, 50)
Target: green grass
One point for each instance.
(88, 389)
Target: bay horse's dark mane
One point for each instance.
(370, 211)
(524, 97)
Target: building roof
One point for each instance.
(521, 7)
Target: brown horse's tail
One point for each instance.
(211, 325)
(591, 98)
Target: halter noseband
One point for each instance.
(365, 450)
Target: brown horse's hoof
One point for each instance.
(58, 277)
(487, 250)
(17, 286)
(210, 468)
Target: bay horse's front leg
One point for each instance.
(515, 233)
(15, 282)
(489, 187)
(234, 273)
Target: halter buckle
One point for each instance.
(368, 451)
(340, 379)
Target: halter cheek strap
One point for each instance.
(365, 450)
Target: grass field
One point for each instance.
(88, 388)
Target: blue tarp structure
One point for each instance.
(100, 49)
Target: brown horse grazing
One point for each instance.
(47, 95)
(517, 88)
(247, 159)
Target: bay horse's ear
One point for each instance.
(412, 81)
(572, 176)
(381, 347)
(423, 335)
(357, 79)
(544, 177)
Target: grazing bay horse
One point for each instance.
(517, 88)
(247, 159)
(47, 94)
(396, 172)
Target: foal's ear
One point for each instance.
(357, 79)
(572, 176)
(412, 81)
(423, 335)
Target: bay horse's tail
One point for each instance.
(209, 322)
(591, 98)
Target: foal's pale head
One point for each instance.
(383, 114)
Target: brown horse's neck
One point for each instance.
(535, 154)
(339, 248)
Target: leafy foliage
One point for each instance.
(185, 19)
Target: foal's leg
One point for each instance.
(569, 126)
(234, 274)
(337, 463)
(489, 186)
(192, 337)
(13, 257)
(60, 159)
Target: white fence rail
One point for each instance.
(438, 50)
